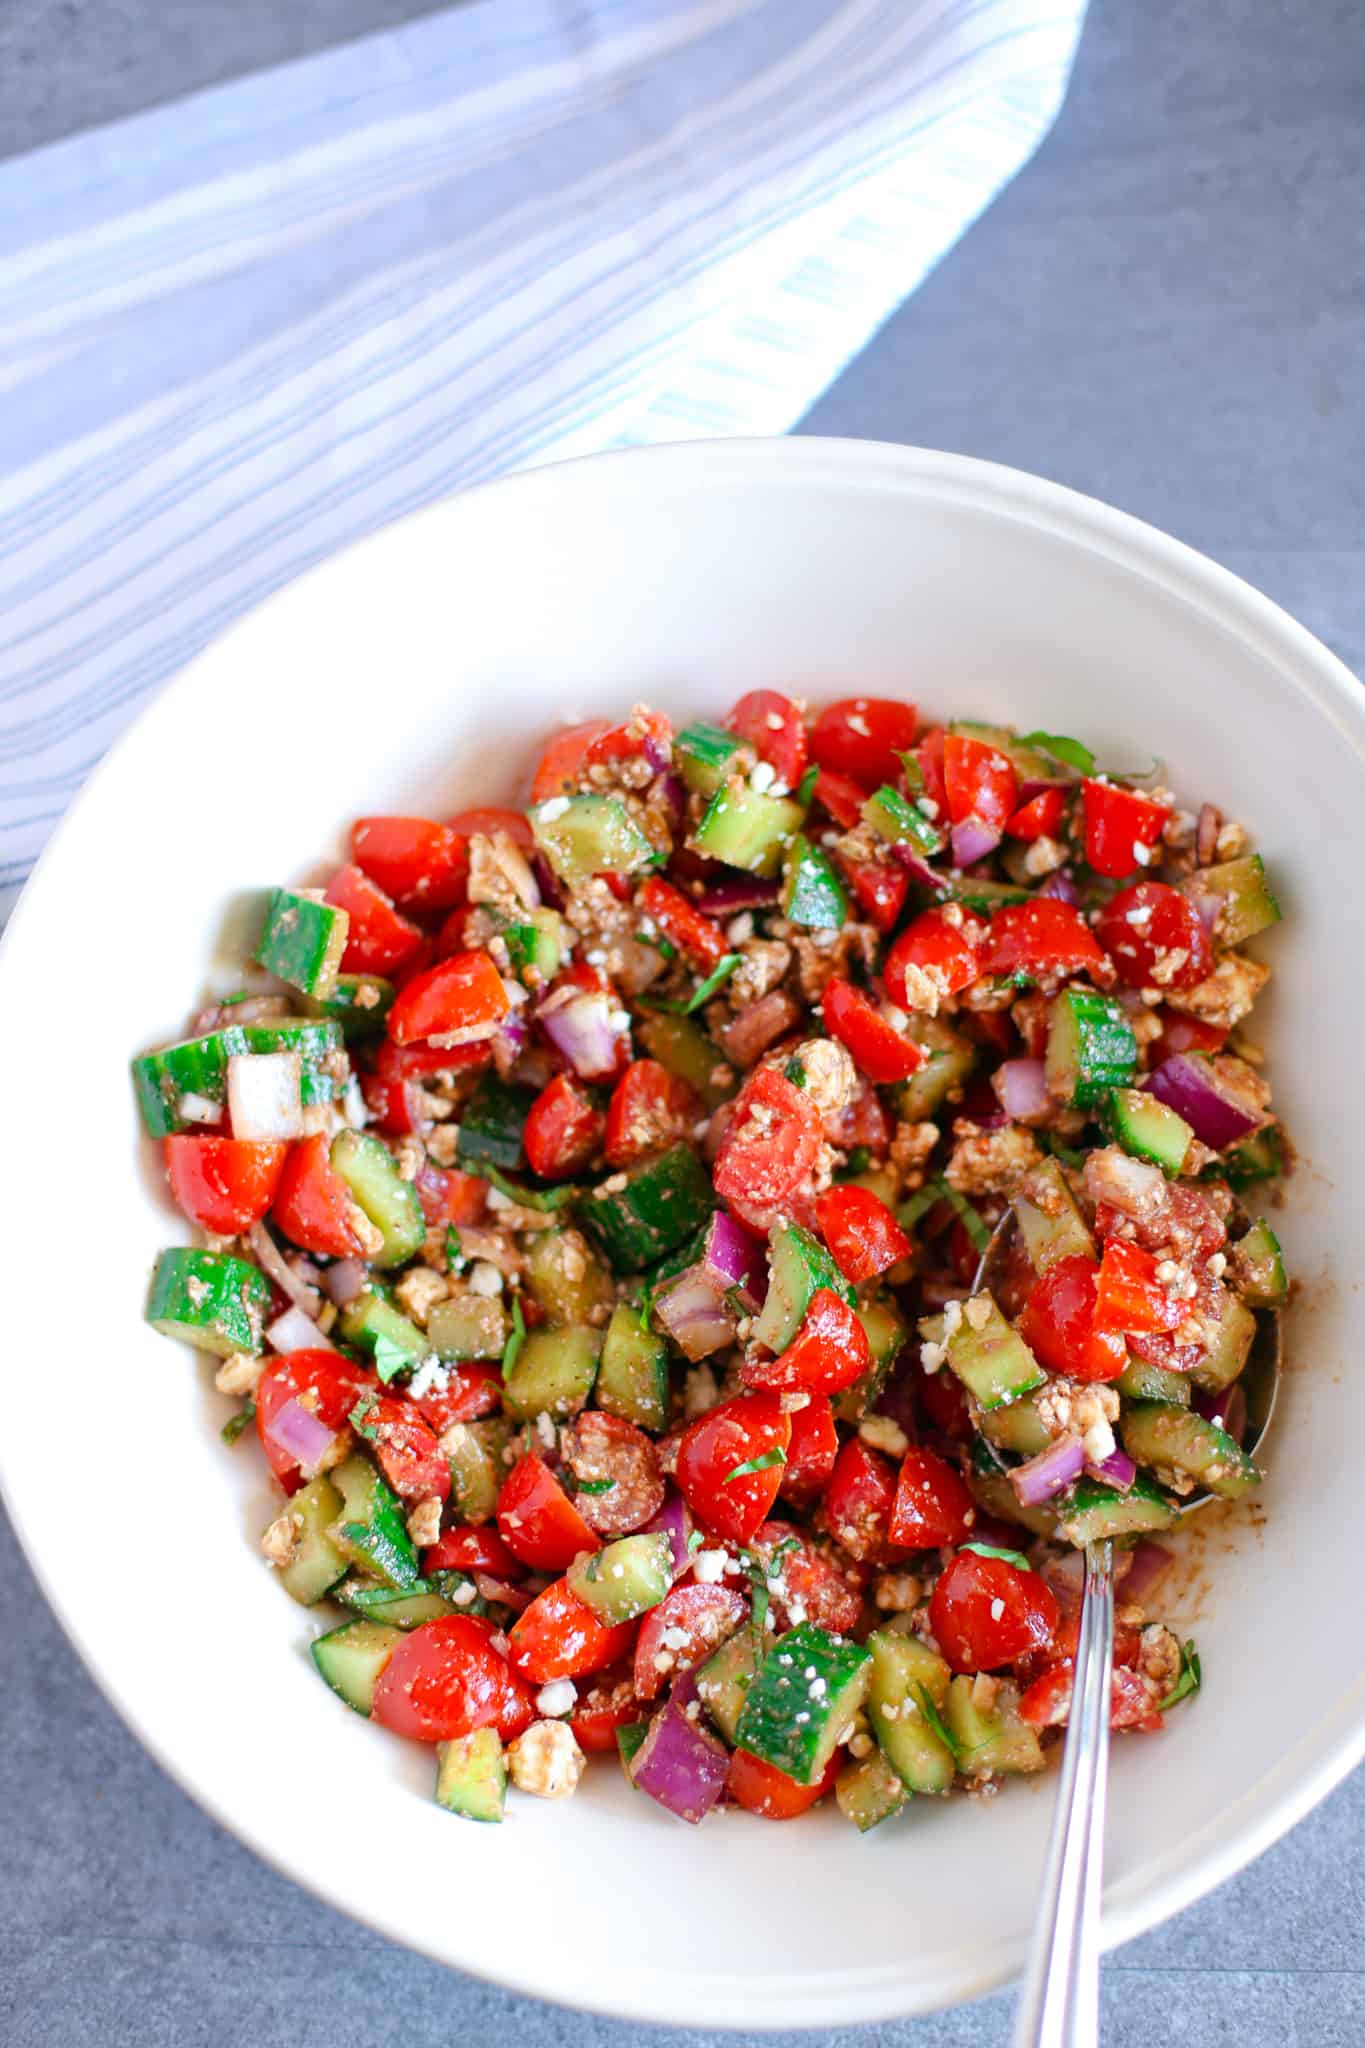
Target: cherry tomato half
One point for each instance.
(713, 1448)
(861, 1231)
(313, 1205)
(1058, 1324)
(878, 1049)
(828, 1353)
(378, 939)
(942, 943)
(650, 1109)
(1120, 824)
(985, 1612)
(864, 737)
(932, 1504)
(537, 1520)
(420, 864)
(563, 1130)
(770, 1147)
(445, 1679)
(558, 1637)
(223, 1184)
(858, 1501)
(1154, 935)
(775, 730)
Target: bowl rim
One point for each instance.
(1305, 1773)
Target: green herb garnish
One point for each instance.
(520, 941)
(390, 1359)
(938, 1724)
(694, 1542)
(543, 1199)
(795, 1073)
(1070, 752)
(455, 1258)
(1190, 1679)
(913, 772)
(593, 1486)
(511, 1350)
(975, 1225)
(665, 948)
(858, 1161)
(235, 1424)
(760, 1571)
(360, 1414)
(805, 788)
(717, 978)
(763, 1463)
(1014, 1557)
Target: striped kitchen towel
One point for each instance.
(242, 330)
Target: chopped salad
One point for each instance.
(590, 1206)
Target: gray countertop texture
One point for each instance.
(1167, 310)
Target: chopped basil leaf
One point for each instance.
(544, 1199)
(1014, 1557)
(917, 1205)
(593, 1486)
(1066, 1154)
(455, 1257)
(359, 1417)
(795, 1073)
(511, 1350)
(1190, 1679)
(763, 1463)
(646, 1303)
(736, 1300)
(235, 1424)
(858, 1160)
(805, 788)
(662, 946)
(695, 1541)
(914, 774)
(761, 1570)
(938, 1724)
(975, 1225)
(1070, 752)
(678, 1007)
(390, 1359)
(520, 941)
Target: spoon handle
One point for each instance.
(1060, 1997)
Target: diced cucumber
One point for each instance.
(900, 822)
(724, 1680)
(553, 1374)
(1259, 1157)
(812, 893)
(302, 941)
(886, 1330)
(991, 1742)
(747, 829)
(868, 1792)
(948, 1060)
(1149, 1129)
(317, 1564)
(424, 1600)
(991, 1488)
(474, 1453)
(901, 1665)
(992, 1361)
(359, 1005)
(208, 1299)
(1049, 1220)
(535, 946)
(196, 1067)
(1248, 903)
(1030, 763)
(705, 754)
(372, 1318)
(799, 1267)
(491, 1125)
(1093, 1511)
(371, 1532)
(880, 1181)
(583, 836)
(624, 1578)
(664, 1201)
(806, 1692)
(371, 1173)
(566, 1277)
(351, 1658)
(629, 1739)
(1170, 1439)
(1223, 1361)
(1090, 1048)
(682, 1046)
(1258, 1267)
(468, 1326)
(471, 1775)
(1017, 1427)
(1143, 1382)
(632, 1374)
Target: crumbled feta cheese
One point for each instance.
(763, 776)
(546, 1760)
(555, 808)
(740, 929)
(997, 1609)
(560, 1696)
(431, 1377)
(1142, 854)
(708, 1566)
(485, 1279)
(884, 1434)
(1098, 1441)
(932, 1356)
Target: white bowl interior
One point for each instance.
(417, 672)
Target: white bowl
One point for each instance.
(417, 671)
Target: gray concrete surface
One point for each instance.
(1165, 309)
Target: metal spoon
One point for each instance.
(1060, 1995)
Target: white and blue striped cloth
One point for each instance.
(240, 331)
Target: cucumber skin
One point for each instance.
(664, 1202)
(632, 1373)
(1095, 1511)
(625, 1578)
(900, 822)
(748, 830)
(1248, 901)
(359, 1022)
(800, 1266)
(553, 1375)
(372, 1531)
(812, 894)
(1258, 1264)
(900, 1664)
(768, 1724)
(350, 1659)
(471, 1776)
(198, 1066)
(491, 1126)
(1090, 1048)
(229, 1317)
(993, 1363)
(591, 836)
(1148, 1129)
(391, 1203)
(703, 754)
(1159, 1434)
(302, 942)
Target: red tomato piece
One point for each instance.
(1128, 1295)
(808, 1586)
(860, 1122)
(828, 1353)
(943, 1398)
(378, 940)
(697, 937)
(650, 1109)
(864, 737)
(861, 1231)
(537, 1520)
(1042, 937)
(1046, 1703)
(929, 755)
(472, 1550)
(1040, 817)
(449, 1196)
(775, 730)
(1153, 934)
(458, 1002)
(985, 1612)
(770, 1147)
(858, 1501)
(313, 1206)
(325, 1382)
(811, 1453)
(880, 887)
(563, 1130)
(445, 1679)
(702, 1615)
(558, 1637)
(597, 1447)
(761, 1788)
(712, 1449)
(1120, 824)
(932, 1505)
(562, 762)
(841, 797)
(979, 780)
(644, 732)
(420, 864)
(491, 818)
(223, 1184)
(406, 1450)
(1180, 1033)
(608, 1704)
(394, 1104)
(940, 945)
(878, 1049)
(1058, 1324)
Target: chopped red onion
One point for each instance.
(1022, 1088)
(733, 1258)
(276, 1267)
(1064, 1576)
(674, 1521)
(1038, 1479)
(581, 1028)
(758, 1025)
(1216, 1114)
(973, 839)
(294, 1331)
(1227, 1409)
(734, 892)
(299, 1434)
(658, 753)
(1062, 887)
(1031, 786)
(670, 793)
(700, 1309)
(680, 1765)
(1206, 835)
(501, 1594)
(510, 1043)
(917, 867)
(1117, 1470)
(345, 1280)
(548, 882)
(1149, 1562)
